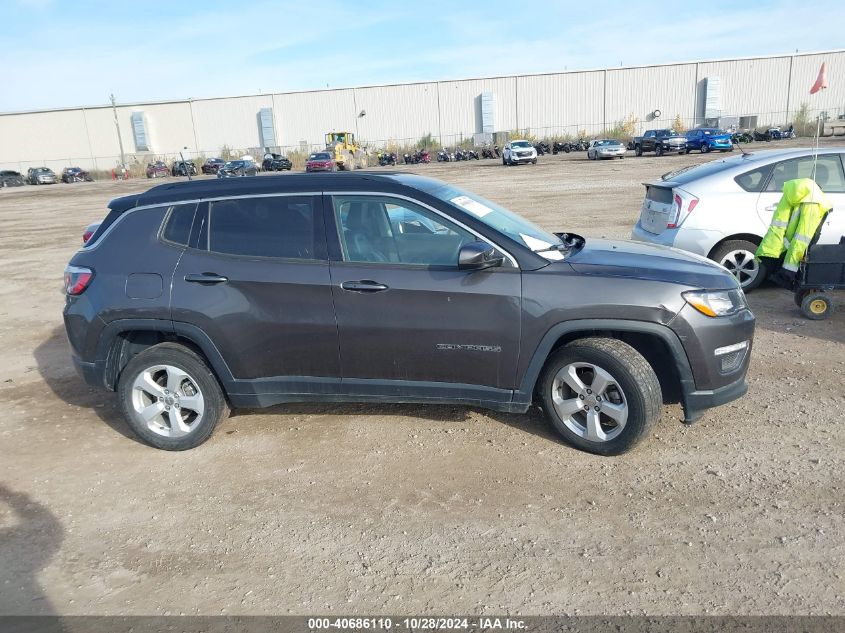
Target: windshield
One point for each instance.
(520, 144)
(607, 142)
(321, 156)
(232, 164)
(502, 220)
(42, 170)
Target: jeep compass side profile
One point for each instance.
(194, 297)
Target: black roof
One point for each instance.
(287, 183)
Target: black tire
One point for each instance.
(705, 148)
(173, 354)
(725, 248)
(817, 305)
(658, 150)
(534, 162)
(638, 150)
(639, 386)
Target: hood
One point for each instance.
(637, 260)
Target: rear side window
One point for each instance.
(829, 174)
(280, 227)
(753, 180)
(177, 227)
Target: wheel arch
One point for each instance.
(747, 237)
(658, 344)
(126, 338)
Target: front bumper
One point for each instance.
(697, 402)
(530, 158)
(610, 154)
(680, 149)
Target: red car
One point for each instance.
(157, 169)
(320, 161)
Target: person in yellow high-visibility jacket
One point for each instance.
(797, 217)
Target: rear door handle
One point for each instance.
(365, 285)
(206, 278)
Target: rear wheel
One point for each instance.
(600, 395)
(170, 398)
(738, 257)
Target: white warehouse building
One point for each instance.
(749, 92)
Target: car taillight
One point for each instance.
(87, 235)
(77, 279)
(677, 207)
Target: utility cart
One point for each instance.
(822, 271)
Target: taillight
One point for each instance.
(77, 279)
(677, 207)
(87, 235)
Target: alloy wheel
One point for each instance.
(589, 401)
(742, 265)
(167, 400)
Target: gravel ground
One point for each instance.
(410, 509)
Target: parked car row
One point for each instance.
(43, 176)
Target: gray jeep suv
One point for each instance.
(197, 296)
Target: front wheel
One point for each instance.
(705, 149)
(638, 150)
(658, 151)
(600, 395)
(738, 257)
(170, 398)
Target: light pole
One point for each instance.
(117, 125)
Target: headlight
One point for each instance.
(716, 303)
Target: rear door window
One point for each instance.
(284, 227)
(829, 173)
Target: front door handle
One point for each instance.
(206, 278)
(365, 285)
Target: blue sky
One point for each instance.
(59, 53)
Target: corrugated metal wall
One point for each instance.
(546, 105)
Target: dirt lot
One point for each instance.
(411, 509)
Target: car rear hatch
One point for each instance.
(657, 209)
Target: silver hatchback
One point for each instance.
(723, 208)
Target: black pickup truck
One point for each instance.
(660, 142)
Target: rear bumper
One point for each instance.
(639, 234)
(91, 373)
(696, 241)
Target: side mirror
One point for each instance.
(478, 255)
